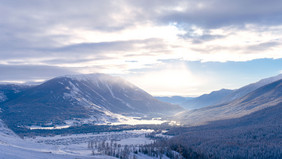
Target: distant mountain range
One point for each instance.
(242, 123)
(226, 124)
(218, 97)
(246, 127)
(174, 99)
(95, 98)
(259, 99)
(102, 99)
(207, 99)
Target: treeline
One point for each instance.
(261, 142)
(85, 128)
(157, 149)
(258, 142)
(254, 136)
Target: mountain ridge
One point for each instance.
(263, 97)
(220, 96)
(97, 97)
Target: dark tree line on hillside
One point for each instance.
(248, 142)
(254, 136)
(157, 149)
(257, 142)
(22, 131)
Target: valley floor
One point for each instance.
(74, 146)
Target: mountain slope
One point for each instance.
(263, 97)
(207, 99)
(8, 91)
(14, 147)
(174, 99)
(95, 97)
(249, 88)
(221, 96)
(257, 135)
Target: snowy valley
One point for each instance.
(102, 116)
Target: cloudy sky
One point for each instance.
(183, 47)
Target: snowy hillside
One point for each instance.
(249, 88)
(115, 94)
(74, 146)
(255, 136)
(206, 99)
(14, 147)
(220, 96)
(266, 96)
(82, 99)
(174, 99)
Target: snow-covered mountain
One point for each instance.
(179, 100)
(219, 96)
(249, 88)
(263, 97)
(96, 98)
(207, 99)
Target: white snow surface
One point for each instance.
(13, 147)
(63, 147)
(106, 116)
(49, 128)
